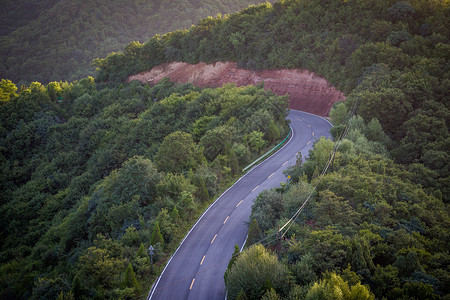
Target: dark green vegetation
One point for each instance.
(91, 176)
(87, 181)
(49, 40)
(377, 225)
(368, 222)
(392, 59)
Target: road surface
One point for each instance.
(196, 269)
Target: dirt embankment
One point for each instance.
(307, 91)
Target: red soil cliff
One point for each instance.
(307, 91)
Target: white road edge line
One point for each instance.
(314, 116)
(242, 247)
(209, 207)
(153, 289)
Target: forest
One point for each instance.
(87, 182)
(51, 40)
(91, 174)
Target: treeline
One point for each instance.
(400, 49)
(321, 36)
(92, 175)
(57, 40)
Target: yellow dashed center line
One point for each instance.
(255, 188)
(285, 163)
(308, 143)
(309, 125)
(202, 260)
(270, 175)
(313, 133)
(214, 238)
(192, 283)
(226, 220)
(239, 203)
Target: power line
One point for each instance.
(344, 133)
(272, 238)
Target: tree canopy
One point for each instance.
(90, 173)
(53, 40)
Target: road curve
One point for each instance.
(196, 269)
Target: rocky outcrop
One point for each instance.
(306, 91)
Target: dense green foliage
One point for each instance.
(253, 270)
(90, 174)
(367, 218)
(50, 40)
(81, 196)
(322, 36)
(392, 60)
(377, 223)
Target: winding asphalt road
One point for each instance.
(196, 269)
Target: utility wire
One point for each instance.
(289, 223)
(344, 133)
(273, 238)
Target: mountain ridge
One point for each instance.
(59, 40)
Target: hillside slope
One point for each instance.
(91, 173)
(306, 91)
(57, 40)
(377, 225)
(391, 62)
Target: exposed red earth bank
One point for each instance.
(306, 91)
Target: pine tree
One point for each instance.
(156, 235)
(141, 252)
(77, 289)
(234, 164)
(232, 260)
(142, 222)
(254, 233)
(235, 255)
(273, 133)
(315, 174)
(175, 215)
(202, 192)
(130, 280)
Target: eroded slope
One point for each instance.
(307, 91)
